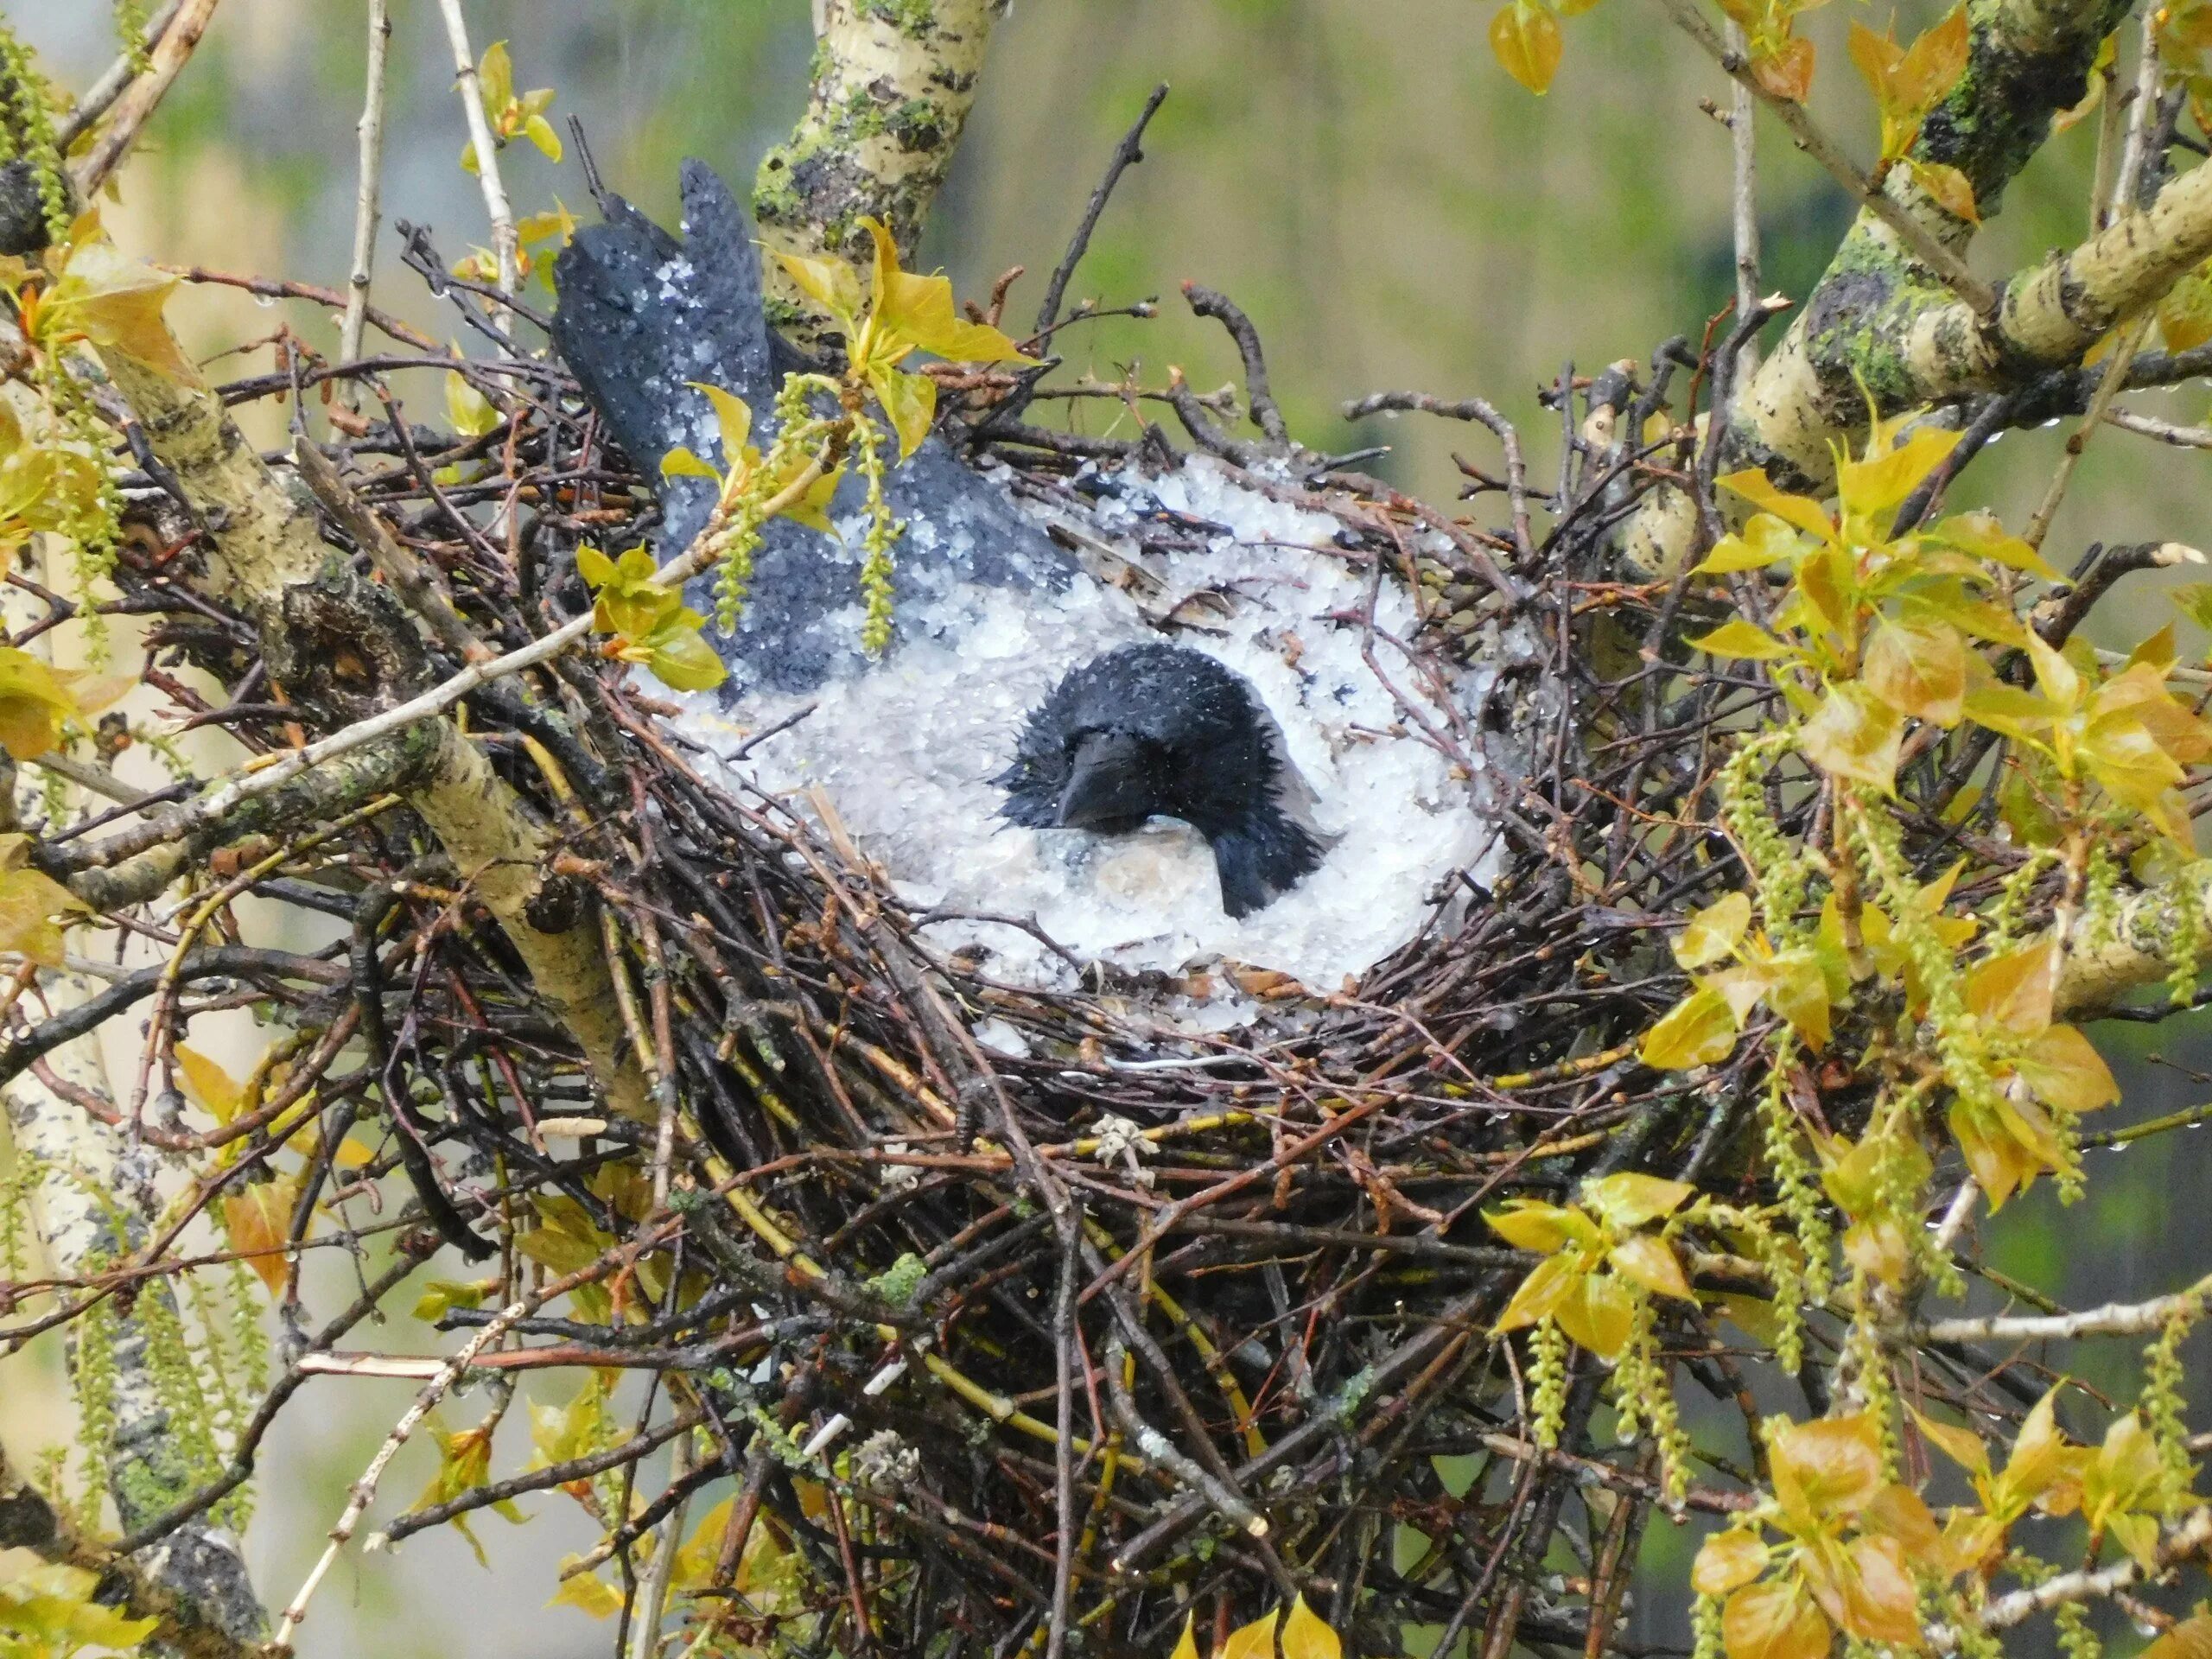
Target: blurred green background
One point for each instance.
(1391, 210)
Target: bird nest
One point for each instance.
(992, 1295)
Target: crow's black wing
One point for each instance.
(641, 316)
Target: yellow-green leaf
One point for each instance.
(832, 284)
(2015, 990)
(1524, 37)
(469, 410)
(1305, 1635)
(1948, 188)
(1737, 638)
(1253, 1641)
(209, 1085)
(1918, 668)
(1532, 1224)
(1802, 510)
(257, 1219)
(1981, 536)
(1629, 1197)
(2064, 1068)
(680, 462)
(1647, 1260)
(1699, 1030)
(1714, 932)
(1775, 1619)
(682, 659)
(1764, 540)
(733, 417)
(1728, 1561)
(1878, 484)
(1597, 1312)
(910, 403)
(915, 311)
(32, 704)
(1856, 736)
(1186, 1645)
(587, 1592)
(1540, 1293)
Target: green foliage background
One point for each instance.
(1358, 174)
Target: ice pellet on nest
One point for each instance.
(905, 752)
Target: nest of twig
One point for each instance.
(1139, 1323)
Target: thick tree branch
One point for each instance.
(269, 547)
(892, 86)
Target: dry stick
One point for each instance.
(246, 784)
(1064, 1341)
(133, 109)
(2113, 1319)
(103, 93)
(2123, 353)
(652, 1589)
(2128, 190)
(365, 1490)
(365, 215)
(2109, 142)
(505, 243)
(1919, 241)
(1742, 143)
(2148, 426)
(1128, 151)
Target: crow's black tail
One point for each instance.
(1262, 858)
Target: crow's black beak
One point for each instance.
(1110, 786)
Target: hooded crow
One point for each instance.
(1158, 731)
(1259, 792)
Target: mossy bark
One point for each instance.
(270, 560)
(893, 84)
(1879, 325)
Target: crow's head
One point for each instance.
(1147, 730)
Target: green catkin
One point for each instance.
(1547, 1382)
(93, 1381)
(28, 125)
(883, 531)
(1705, 1627)
(2009, 913)
(2164, 1404)
(2188, 947)
(1797, 1187)
(1780, 868)
(1643, 1395)
(2077, 1640)
(130, 32)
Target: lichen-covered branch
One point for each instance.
(269, 555)
(2153, 931)
(892, 82)
(1880, 323)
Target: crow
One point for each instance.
(1274, 740)
(1155, 730)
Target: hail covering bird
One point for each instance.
(1157, 730)
(1153, 739)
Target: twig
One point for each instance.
(2147, 426)
(1126, 154)
(137, 105)
(1207, 302)
(2123, 353)
(2113, 1319)
(506, 243)
(100, 96)
(1919, 241)
(365, 215)
(1743, 144)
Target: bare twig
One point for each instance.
(137, 104)
(1918, 240)
(1126, 154)
(365, 215)
(100, 96)
(506, 242)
